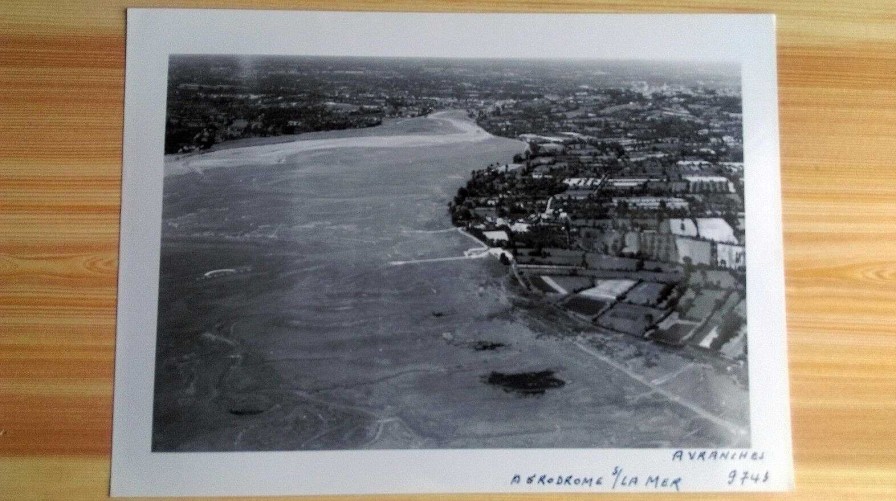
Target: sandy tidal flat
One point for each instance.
(315, 341)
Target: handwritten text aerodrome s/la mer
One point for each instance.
(617, 480)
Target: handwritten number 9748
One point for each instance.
(745, 477)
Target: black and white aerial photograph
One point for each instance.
(425, 253)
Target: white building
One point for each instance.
(715, 229)
(731, 256)
(496, 237)
(709, 184)
(653, 203)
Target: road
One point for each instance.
(734, 429)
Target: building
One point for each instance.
(653, 203)
(709, 184)
(715, 229)
(731, 256)
(496, 237)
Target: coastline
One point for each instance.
(436, 129)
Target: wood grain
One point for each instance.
(61, 109)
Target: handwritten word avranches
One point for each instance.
(718, 455)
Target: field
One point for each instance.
(609, 289)
(540, 284)
(567, 284)
(584, 305)
(645, 293)
(705, 303)
(674, 334)
(630, 318)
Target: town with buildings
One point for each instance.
(627, 215)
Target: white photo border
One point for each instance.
(154, 34)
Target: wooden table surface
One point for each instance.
(61, 109)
